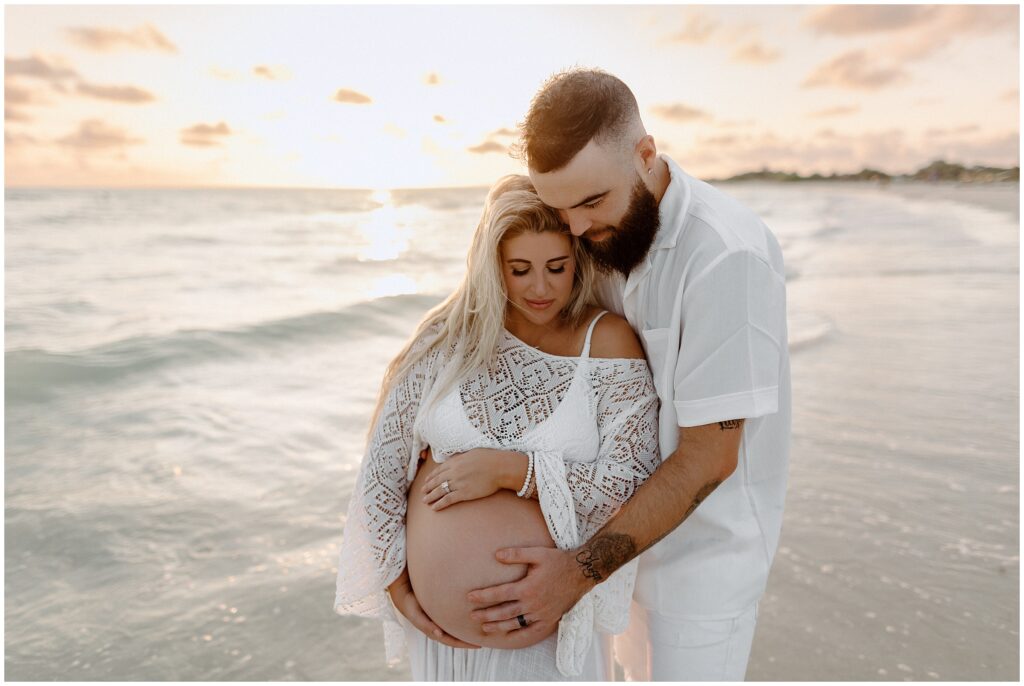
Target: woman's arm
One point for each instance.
(372, 556)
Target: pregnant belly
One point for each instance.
(451, 552)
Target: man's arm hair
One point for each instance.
(705, 457)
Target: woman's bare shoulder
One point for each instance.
(614, 338)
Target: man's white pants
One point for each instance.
(660, 648)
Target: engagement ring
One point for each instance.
(444, 485)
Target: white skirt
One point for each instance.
(433, 661)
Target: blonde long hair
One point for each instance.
(470, 320)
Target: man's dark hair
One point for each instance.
(570, 109)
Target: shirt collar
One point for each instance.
(673, 206)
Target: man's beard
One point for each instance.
(632, 238)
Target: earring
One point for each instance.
(651, 170)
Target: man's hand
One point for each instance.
(406, 603)
(553, 584)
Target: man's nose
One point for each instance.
(578, 224)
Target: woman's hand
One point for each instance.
(470, 475)
(405, 602)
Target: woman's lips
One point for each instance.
(539, 304)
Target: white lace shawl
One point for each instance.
(577, 498)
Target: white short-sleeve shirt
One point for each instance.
(709, 301)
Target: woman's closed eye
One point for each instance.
(553, 270)
(594, 204)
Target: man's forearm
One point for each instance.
(704, 458)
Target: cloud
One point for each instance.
(15, 95)
(394, 130)
(486, 147)
(204, 135)
(225, 74)
(146, 37)
(504, 131)
(12, 140)
(952, 22)
(432, 79)
(270, 73)
(958, 131)
(835, 111)
(849, 20)
(439, 119)
(36, 67)
(755, 53)
(352, 97)
(15, 115)
(698, 29)
(124, 94)
(94, 134)
(854, 70)
(679, 112)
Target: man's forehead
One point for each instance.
(592, 170)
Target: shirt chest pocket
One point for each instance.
(656, 347)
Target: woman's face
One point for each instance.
(538, 270)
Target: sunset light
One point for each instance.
(419, 96)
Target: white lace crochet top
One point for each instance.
(591, 424)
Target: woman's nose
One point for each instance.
(540, 283)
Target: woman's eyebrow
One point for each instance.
(553, 259)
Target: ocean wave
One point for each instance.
(806, 330)
(34, 374)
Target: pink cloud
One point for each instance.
(835, 111)
(756, 53)
(123, 94)
(351, 97)
(204, 135)
(486, 147)
(37, 68)
(270, 73)
(848, 20)
(94, 134)
(854, 70)
(146, 37)
(679, 112)
(698, 29)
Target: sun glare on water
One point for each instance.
(385, 234)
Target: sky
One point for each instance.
(420, 96)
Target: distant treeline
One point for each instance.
(936, 171)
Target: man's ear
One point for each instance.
(645, 154)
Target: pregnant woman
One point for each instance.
(541, 415)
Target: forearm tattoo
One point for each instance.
(703, 493)
(730, 424)
(604, 554)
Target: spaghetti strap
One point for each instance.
(590, 331)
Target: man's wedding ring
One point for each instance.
(444, 485)
(522, 621)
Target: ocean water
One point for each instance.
(189, 375)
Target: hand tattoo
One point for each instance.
(730, 424)
(605, 554)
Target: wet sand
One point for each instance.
(899, 557)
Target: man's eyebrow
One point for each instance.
(589, 199)
(553, 259)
